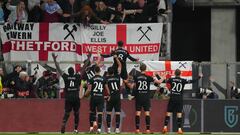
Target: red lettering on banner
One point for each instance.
(132, 48)
(171, 73)
(61, 46)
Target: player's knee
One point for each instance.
(99, 113)
(147, 113)
(109, 112)
(168, 114)
(76, 113)
(179, 115)
(138, 113)
(118, 113)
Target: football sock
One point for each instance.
(99, 121)
(117, 120)
(179, 122)
(92, 118)
(137, 121)
(166, 120)
(108, 120)
(65, 118)
(76, 119)
(147, 119)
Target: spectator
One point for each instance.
(23, 85)
(1, 13)
(87, 16)
(119, 15)
(18, 13)
(46, 87)
(51, 11)
(12, 77)
(103, 12)
(70, 10)
(148, 14)
(129, 5)
(35, 11)
(235, 92)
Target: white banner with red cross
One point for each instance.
(71, 42)
(168, 68)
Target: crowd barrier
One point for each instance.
(37, 115)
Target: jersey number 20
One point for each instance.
(177, 87)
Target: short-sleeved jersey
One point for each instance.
(98, 82)
(89, 73)
(72, 84)
(143, 82)
(177, 87)
(113, 83)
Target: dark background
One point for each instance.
(191, 33)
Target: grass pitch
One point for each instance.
(187, 133)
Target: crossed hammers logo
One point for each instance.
(70, 32)
(144, 33)
(181, 64)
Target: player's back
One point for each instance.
(143, 82)
(97, 83)
(89, 73)
(113, 84)
(177, 87)
(72, 84)
(122, 54)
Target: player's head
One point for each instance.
(120, 43)
(71, 71)
(177, 72)
(143, 67)
(110, 71)
(97, 69)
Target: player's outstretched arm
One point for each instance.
(54, 56)
(158, 81)
(131, 58)
(195, 80)
(107, 55)
(118, 63)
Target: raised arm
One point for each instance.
(118, 63)
(195, 80)
(88, 62)
(158, 80)
(54, 56)
(87, 93)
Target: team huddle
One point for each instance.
(108, 87)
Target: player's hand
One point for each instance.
(231, 83)
(89, 55)
(115, 56)
(66, 15)
(163, 76)
(211, 79)
(200, 75)
(54, 56)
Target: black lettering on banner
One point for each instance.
(98, 33)
(19, 31)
